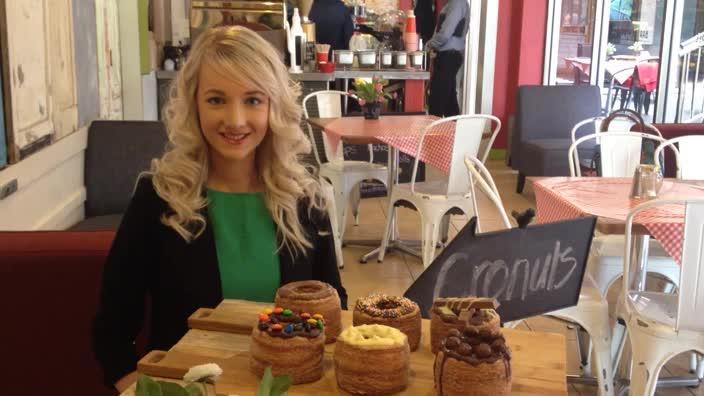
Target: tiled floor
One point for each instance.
(398, 271)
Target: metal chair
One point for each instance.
(688, 156)
(592, 310)
(434, 199)
(620, 152)
(345, 176)
(329, 194)
(479, 175)
(620, 156)
(662, 325)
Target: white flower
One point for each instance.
(636, 47)
(610, 49)
(203, 372)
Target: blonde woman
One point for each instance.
(227, 212)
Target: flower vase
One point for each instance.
(372, 111)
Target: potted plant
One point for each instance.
(370, 96)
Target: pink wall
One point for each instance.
(519, 55)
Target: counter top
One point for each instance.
(388, 74)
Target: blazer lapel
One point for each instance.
(202, 261)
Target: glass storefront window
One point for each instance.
(690, 92)
(633, 51)
(692, 19)
(576, 40)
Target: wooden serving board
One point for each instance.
(538, 363)
(231, 316)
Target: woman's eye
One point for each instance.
(215, 101)
(253, 101)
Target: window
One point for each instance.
(575, 16)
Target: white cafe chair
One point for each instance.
(479, 175)
(620, 155)
(592, 310)
(434, 199)
(344, 176)
(689, 156)
(329, 195)
(618, 124)
(663, 325)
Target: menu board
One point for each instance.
(529, 271)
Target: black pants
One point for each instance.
(443, 84)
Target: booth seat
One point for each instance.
(50, 284)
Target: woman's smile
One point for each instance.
(234, 139)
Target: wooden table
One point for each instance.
(538, 364)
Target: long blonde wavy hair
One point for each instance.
(180, 175)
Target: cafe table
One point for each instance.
(562, 198)
(221, 336)
(402, 133)
(619, 67)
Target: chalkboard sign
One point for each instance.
(530, 271)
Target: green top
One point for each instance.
(245, 240)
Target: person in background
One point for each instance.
(448, 42)
(333, 23)
(425, 19)
(227, 212)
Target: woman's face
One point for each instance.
(234, 118)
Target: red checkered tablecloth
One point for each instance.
(562, 198)
(401, 132)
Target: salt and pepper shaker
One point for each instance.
(647, 181)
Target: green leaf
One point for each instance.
(280, 385)
(264, 388)
(146, 386)
(273, 386)
(172, 389)
(194, 389)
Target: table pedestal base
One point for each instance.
(622, 385)
(403, 246)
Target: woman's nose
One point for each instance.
(236, 116)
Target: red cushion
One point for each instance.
(50, 282)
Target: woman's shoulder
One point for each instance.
(145, 192)
(145, 186)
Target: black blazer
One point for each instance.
(149, 259)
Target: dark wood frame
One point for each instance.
(12, 152)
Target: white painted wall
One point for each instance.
(50, 191)
(179, 22)
(149, 92)
(132, 95)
